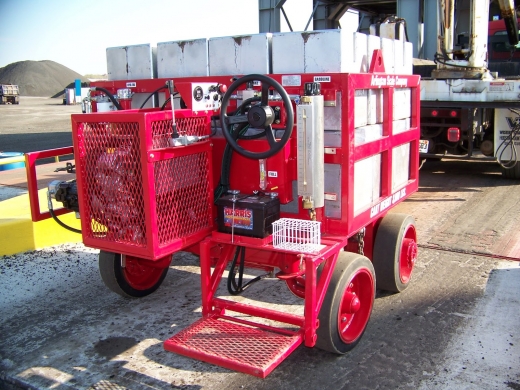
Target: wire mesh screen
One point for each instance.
(182, 192)
(139, 195)
(112, 178)
(162, 130)
(297, 235)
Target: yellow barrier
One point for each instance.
(18, 233)
(11, 160)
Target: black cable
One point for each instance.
(168, 100)
(153, 93)
(234, 287)
(53, 215)
(213, 126)
(110, 96)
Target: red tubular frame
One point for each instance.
(314, 290)
(32, 181)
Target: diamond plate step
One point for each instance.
(223, 342)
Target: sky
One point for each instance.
(77, 33)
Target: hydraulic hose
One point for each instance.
(110, 96)
(153, 93)
(234, 287)
(53, 215)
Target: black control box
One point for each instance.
(252, 215)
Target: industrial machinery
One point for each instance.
(9, 94)
(466, 110)
(291, 173)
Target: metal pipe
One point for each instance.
(10, 160)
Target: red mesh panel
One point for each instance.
(182, 192)
(162, 130)
(128, 173)
(112, 176)
(247, 349)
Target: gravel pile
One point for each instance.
(39, 78)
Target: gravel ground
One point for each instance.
(455, 327)
(36, 124)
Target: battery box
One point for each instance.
(252, 215)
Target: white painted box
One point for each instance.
(388, 50)
(367, 133)
(322, 51)
(361, 107)
(182, 58)
(373, 43)
(130, 62)
(240, 55)
(401, 125)
(402, 103)
(367, 182)
(400, 166)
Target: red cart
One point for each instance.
(305, 196)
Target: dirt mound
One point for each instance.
(39, 78)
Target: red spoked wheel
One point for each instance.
(347, 305)
(131, 276)
(395, 252)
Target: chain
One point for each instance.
(361, 241)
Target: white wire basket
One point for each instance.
(297, 235)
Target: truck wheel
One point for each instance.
(136, 279)
(512, 173)
(395, 252)
(347, 305)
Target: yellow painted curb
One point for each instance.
(18, 233)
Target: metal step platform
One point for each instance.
(235, 344)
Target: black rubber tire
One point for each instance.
(513, 173)
(114, 278)
(348, 266)
(387, 251)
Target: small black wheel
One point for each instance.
(347, 305)
(511, 173)
(395, 252)
(137, 278)
(259, 116)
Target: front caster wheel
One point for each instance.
(347, 305)
(131, 276)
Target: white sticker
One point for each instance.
(292, 81)
(501, 87)
(322, 79)
(272, 173)
(257, 83)
(132, 84)
(331, 196)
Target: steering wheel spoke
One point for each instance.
(270, 135)
(235, 119)
(257, 116)
(265, 94)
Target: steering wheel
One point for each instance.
(259, 116)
